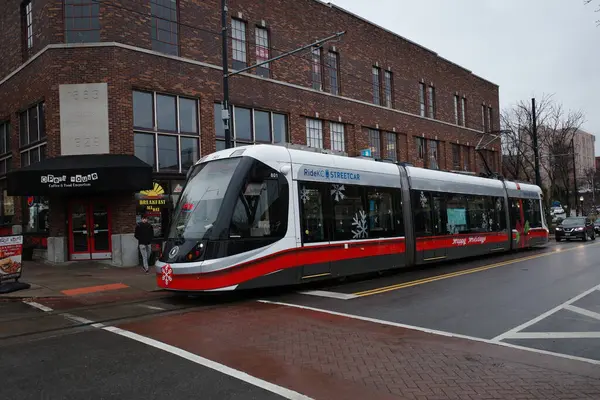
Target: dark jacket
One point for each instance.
(144, 233)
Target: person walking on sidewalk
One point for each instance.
(144, 233)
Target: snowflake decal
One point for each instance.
(360, 223)
(305, 195)
(484, 222)
(498, 205)
(423, 200)
(338, 192)
(167, 274)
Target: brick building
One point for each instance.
(143, 78)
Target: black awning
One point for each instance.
(79, 174)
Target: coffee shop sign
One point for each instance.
(72, 181)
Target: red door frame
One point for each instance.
(89, 206)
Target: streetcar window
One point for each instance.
(202, 198)
(261, 207)
(457, 214)
(533, 213)
(349, 215)
(421, 202)
(311, 211)
(479, 220)
(499, 214)
(440, 213)
(385, 212)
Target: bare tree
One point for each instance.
(556, 129)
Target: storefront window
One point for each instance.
(7, 205)
(35, 214)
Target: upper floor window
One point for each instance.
(388, 88)
(164, 26)
(431, 101)
(467, 153)
(433, 154)
(27, 17)
(464, 111)
(375, 143)
(422, 106)
(490, 120)
(337, 136)
(332, 66)
(484, 124)
(377, 85)
(317, 76)
(251, 126)
(420, 143)
(32, 131)
(5, 149)
(456, 115)
(389, 146)
(455, 156)
(82, 22)
(166, 131)
(262, 51)
(238, 43)
(314, 133)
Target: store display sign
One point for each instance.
(70, 181)
(11, 250)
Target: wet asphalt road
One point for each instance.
(96, 364)
(67, 361)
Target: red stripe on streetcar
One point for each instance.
(285, 259)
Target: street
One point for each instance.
(524, 324)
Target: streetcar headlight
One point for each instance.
(196, 252)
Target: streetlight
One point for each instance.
(581, 204)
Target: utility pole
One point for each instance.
(226, 112)
(538, 180)
(575, 176)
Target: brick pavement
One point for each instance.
(331, 357)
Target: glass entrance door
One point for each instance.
(89, 231)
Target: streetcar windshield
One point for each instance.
(201, 201)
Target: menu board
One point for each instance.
(11, 250)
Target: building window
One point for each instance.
(32, 126)
(433, 154)
(251, 126)
(484, 118)
(455, 157)
(456, 119)
(337, 136)
(164, 26)
(490, 120)
(420, 143)
(314, 133)
(389, 143)
(7, 204)
(238, 43)
(376, 86)
(82, 21)
(375, 143)
(317, 76)
(467, 153)
(388, 89)
(422, 106)
(166, 131)
(28, 24)
(5, 149)
(464, 111)
(32, 134)
(431, 101)
(262, 52)
(334, 80)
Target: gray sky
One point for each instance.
(527, 47)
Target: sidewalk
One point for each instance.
(82, 278)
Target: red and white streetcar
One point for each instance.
(267, 215)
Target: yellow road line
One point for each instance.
(459, 273)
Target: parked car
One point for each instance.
(597, 226)
(575, 228)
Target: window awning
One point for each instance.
(81, 174)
